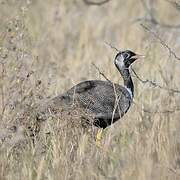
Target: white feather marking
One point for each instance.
(120, 61)
(129, 91)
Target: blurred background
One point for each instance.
(46, 47)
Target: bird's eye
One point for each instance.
(126, 55)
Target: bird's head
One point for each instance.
(125, 58)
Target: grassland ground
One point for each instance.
(46, 47)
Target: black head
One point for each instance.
(125, 58)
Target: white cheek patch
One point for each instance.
(120, 61)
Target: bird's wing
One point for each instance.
(82, 87)
(69, 96)
(90, 94)
(100, 96)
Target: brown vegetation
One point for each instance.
(47, 47)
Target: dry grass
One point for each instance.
(48, 46)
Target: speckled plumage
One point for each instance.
(105, 100)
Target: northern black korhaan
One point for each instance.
(105, 100)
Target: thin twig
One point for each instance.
(153, 83)
(155, 22)
(92, 3)
(112, 47)
(2, 89)
(161, 111)
(100, 72)
(174, 4)
(151, 17)
(161, 41)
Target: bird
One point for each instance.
(105, 100)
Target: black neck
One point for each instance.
(128, 83)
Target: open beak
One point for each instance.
(138, 56)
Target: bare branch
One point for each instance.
(174, 4)
(92, 3)
(153, 83)
(171, 52)
(112, 47)
(151, 17)
(155, 22)
(2, 89)
(100, 72)
(169, 110)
